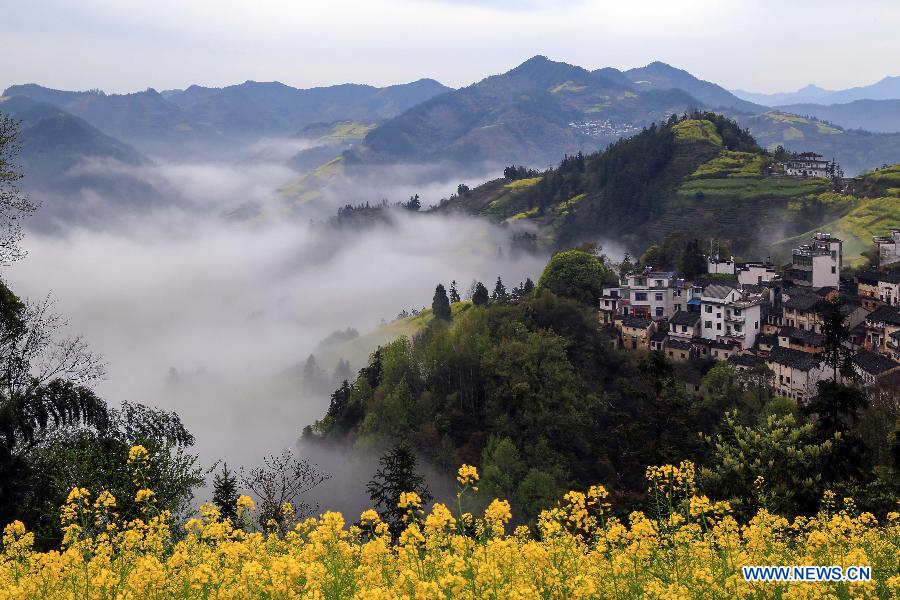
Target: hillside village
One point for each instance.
(755, 313)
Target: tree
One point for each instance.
(453, 294)
(480, 295)
(225, 493)
(837, 408)
(836, 333)
(693, 262)
(575, 274)
(462, 190)
(501, 468)
(14, 205)
(499, 294)
(440, 305)
(396, 474)
(776, 465)
(414, 203)
(280, 483)
(626, 266)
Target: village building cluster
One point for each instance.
(754, 314)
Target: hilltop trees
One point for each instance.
(453, 294)
(480, 294)
(499, 294)
(440, 305)
(575, 274)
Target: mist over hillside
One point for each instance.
(207, 315)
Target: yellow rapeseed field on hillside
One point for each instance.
(689, 548)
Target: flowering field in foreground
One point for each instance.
(689, 548)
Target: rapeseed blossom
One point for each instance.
(689, 547)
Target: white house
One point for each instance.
(795, 373)
(807, 164)
(817, 264)
(755, 273)
(888, 248)
(718, 266)
(647, 294)
(729, 315)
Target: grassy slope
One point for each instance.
(357, 350)
(705, 189)
(874, 212)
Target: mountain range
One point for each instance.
(541, 110)
(886, 89)
(532, 114)
(209, 120)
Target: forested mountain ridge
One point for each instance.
(202, 115)
(700, 175)
(530, 114)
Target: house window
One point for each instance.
(834, 269)
(677, 307)
(718, 327)
(640, 296)
(659, 297)
(659, 283)
(684, 328)
(659, 311)
(708, 308)
(708, 324)
(737, 312)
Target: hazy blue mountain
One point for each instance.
(872, 115)
(202, 118)
(70, 166)
(659, 75)
(532, 114)
(886, 89)
(810, 93)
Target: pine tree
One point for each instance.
(693, 262)
(454, 293)
(440, 305)
(527, 287)
(396, 474)
(836, 332)
(500, 294)
(480, 295)
(225, 493)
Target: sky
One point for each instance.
(760, 46)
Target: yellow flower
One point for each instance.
(137, 453)
(244, 503)
(467, 475)
(144, 495)
(409, 500)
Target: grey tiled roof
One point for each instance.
(885, 314)
(874, 364)
(683, 317)
(793, 358)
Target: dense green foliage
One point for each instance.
(699, 176)
(576, 274)
(528, 390)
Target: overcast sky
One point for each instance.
(121, 46)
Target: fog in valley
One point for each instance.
(214, 316)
